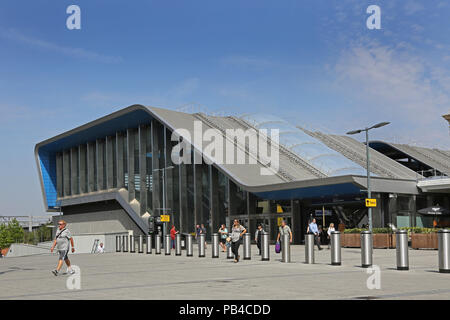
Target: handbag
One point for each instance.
(278, 247)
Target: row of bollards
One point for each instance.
(125, 243)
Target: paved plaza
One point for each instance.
(142, 276)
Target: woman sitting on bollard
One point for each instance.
(237, 232)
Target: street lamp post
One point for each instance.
(369, 193)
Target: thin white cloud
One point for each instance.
(412, 7)
(397, 85)
(80, 53)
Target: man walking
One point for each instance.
(312, 228)
(62, 238)
(284, 229)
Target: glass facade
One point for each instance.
(139, 160)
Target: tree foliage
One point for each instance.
(11, 233)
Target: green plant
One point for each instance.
(11, 233)
(374, 230)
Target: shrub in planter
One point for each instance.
(382, 238)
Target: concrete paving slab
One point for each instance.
(142, 276)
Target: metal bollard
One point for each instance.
(132, 243)
(309, 248)
(335, 248)
(366, 249)
(178, 244)
(125, 243)
(118, 244)
(149, 244)
(158, 244)
(247, 246)
(444, 250)
(265, 256)
(189, 250)
(286, 249)
(167, 245)
(230, 254)
(201, 245)
(141, 244)
(215, 245)
(402, 249)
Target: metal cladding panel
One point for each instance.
(47, 163)
(311, 192)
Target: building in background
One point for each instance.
(115, 175)
(447, 117)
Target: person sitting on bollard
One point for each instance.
(329, 231)
(223, 231)
(284, 229)
(258, 236)
(312, 229)
(173, 232)
(237, 232)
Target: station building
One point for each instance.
(116, 175)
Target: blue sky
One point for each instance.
(313, 63)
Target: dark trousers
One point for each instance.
(258, 244)
(317, 241)
(235, 248)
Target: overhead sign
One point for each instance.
(371, 202)
(320, 213)
(165, 218)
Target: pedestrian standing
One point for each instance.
(223, 231)
(237, 231)
(173, 232)
(62, 239)
(282, 230)
(329, 231)
(312, 229)
(258, 236)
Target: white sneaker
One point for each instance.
(70, 271)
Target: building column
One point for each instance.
(251, 211)
(130, 160)
(59, 174)
(296, 222)
(99, 163)
(156, 181)
(66, 172)
(169, 176)
(91, 166)
(198, 190)
(393, 209)
(214, 196)
(413, 210)
(82, 167)
(143, 167)
(109, 163)
(74, 170)
(184, 223)
(119, 162)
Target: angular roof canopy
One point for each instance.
(309, 164)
